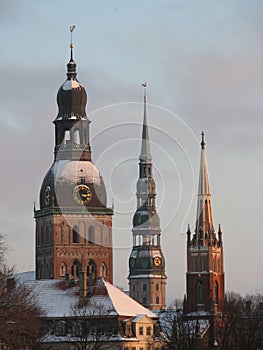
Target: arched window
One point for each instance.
(75, 268)
(66, 137)
(62, 270)
(75, 234)
(216, 293)
(91, 235)
(103, 270)
(200, 293)
(76, 137)
(144, 287)
(157, 300)
(157, 287)
(92, 270)
(214, 265)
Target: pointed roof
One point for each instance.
(203, 188)
(145, 155)
(122, 303)
(204, 217)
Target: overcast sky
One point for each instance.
(203, 61)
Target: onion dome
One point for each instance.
(70, 183)
(71, 96)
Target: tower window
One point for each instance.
(144, 287)
(157, 300)
(144, 300)
(76, 137)
(204, 266)
(195, 264)
(216, 293)
(66, 137)
(133, 287)
(75, 234)
(91, 235)
(157, 287)
(200, 293)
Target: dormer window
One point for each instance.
(60, 328)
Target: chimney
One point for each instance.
(10, 284)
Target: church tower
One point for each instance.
(147, 278)
(205, 274)
(73, 224)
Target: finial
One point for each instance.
(71, 28)
(145, 86)
(203, 140)
(219, 229)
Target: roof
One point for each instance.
(58, 301)
(122, 303)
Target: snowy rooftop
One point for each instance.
(58, 301)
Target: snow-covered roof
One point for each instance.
(58, 301)
(123, 304)
(54, 298)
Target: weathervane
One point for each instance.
(71, 28)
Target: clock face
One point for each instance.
(157, 261)
(82, 194)
(47, 196)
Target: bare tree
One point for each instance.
(20, 322)
(93, 325)
(180, 332)
(241, 325)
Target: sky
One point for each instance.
(202, 61)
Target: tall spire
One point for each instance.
(147, 277)
(145, 155)
(204, 220)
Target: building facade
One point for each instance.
(147, 279)
(73, 223)
(205, 273)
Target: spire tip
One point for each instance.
(203, 140)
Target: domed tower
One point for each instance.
(147, 277)
(73, 224)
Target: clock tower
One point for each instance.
(147, 277)
(73, 224)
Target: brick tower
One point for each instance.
(147, 278)
(73, 224)
(205, 274)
